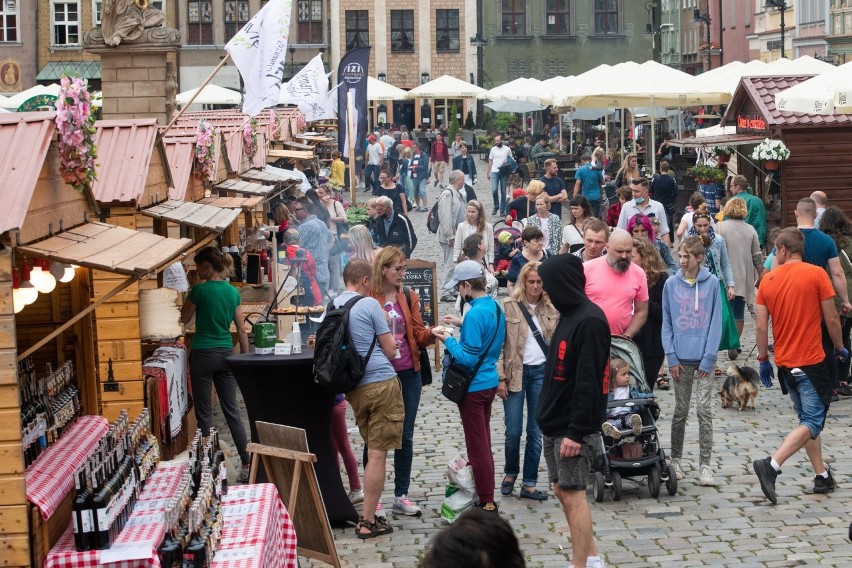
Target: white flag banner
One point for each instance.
(321, 108)
(260, 52)
(310, 83)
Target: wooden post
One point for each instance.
(350, 129)
(197, 92)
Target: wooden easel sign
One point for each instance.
(290, 467)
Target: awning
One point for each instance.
(107, 247)
(248, 188)
(721, 140)
(54, 70)
(247, 203)
(198, 215)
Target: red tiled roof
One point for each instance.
(124, 156)
(25, 139)
(762, 90)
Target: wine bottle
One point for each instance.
(82, 512)
(195, 553)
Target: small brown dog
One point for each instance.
(740, 386)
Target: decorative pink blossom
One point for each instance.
(250, 138)
(205, 163)
(75, 125)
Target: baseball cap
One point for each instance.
(465, 270)
(371, 138)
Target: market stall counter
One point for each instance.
(281, 389)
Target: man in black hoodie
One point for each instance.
(573, 399)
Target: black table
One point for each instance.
(280, 389)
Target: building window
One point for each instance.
(199, 22)
(66, 23)
(97, 4)
(309, 13)
(447, 30)
(357, 28)
(514, 17)
(606, 17)
(402, 30)
(558, 17)
(236, 16)
(9, 20)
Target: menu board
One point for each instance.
(420, 277)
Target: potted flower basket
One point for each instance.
(707, 175)
(722, 153)
(771, 153)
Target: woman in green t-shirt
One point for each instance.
(215, 304)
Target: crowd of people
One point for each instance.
(624, 266)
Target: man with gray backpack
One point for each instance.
(376, 399)
(444, 219)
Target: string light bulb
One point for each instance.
(62, 272)
(28, 292)
(41, 278)
(17, 298)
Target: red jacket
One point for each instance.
(440, 152)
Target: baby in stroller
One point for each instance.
(505, 247)
(622, 417)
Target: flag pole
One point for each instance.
(197, 92)
(350, 129)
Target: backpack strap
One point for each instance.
(350, 303)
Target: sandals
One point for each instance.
(508, 484)
(378, 528)
(662, 383)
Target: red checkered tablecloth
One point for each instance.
(51, 476)
(258, 531)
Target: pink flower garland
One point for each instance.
(250, 138)
(205, 166)
(76, 126)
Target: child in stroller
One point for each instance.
(506, 246)
(622, 417)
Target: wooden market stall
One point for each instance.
(819, 146)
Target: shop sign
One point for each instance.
(751, 124)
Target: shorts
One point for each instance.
(809, 407)
(738, 308)
(379, 413)
(571, 474)
(438, 169)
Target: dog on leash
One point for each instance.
(740, 386)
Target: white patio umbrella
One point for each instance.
(210, 95)
(381, 91)
(517, 107)
(513, 90)
(827, 93)
(17, 99)
(804, 65)
(446, 87)
(727, 77)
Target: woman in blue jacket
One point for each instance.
(692, 327)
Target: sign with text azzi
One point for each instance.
(751, 123)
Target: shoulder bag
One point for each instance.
(458, 378)
(425, 363)
(536, 331)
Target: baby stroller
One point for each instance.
(499, 227)
(633, 456)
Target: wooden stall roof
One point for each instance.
(720, 140)
(180, 152)
(761, 91)
(125, 148)
(25, 139)
(248, 188)
(295, 154)
(264, 177)
(298, 146)
(248, 203)
(199, 215)
(107, 247)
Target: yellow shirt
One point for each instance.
(337, 170)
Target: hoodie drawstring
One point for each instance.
(696, 295)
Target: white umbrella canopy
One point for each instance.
(804, 65)
(514, 90)
(17, 99)
(210, 95)
(517, 107)
(728, 76)
(565, 93)
(827, 93)
(381, 91)
(446, 87)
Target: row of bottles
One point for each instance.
(49, 405)
(195, 517)
(109, 483)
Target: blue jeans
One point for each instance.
(531, 382)
(371, 177)
(498, 192)
(807, 403)
(411, 389)
(596, 207)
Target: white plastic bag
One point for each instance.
(460, 473)
(456, 502)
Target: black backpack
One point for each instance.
(393, 153)
(338, 367)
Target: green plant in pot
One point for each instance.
(706, 175)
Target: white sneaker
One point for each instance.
(405, 506)
(380, 512)
(636, 423)
(705, 476)
(595, 562)
(610, 431)
(356, 496)
(677, 467)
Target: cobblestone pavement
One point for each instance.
(728, 525)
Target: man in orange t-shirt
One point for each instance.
(797, 296)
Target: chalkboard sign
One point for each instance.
(420, 277)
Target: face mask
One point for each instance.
(638, 200)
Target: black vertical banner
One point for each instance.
(352, 76)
